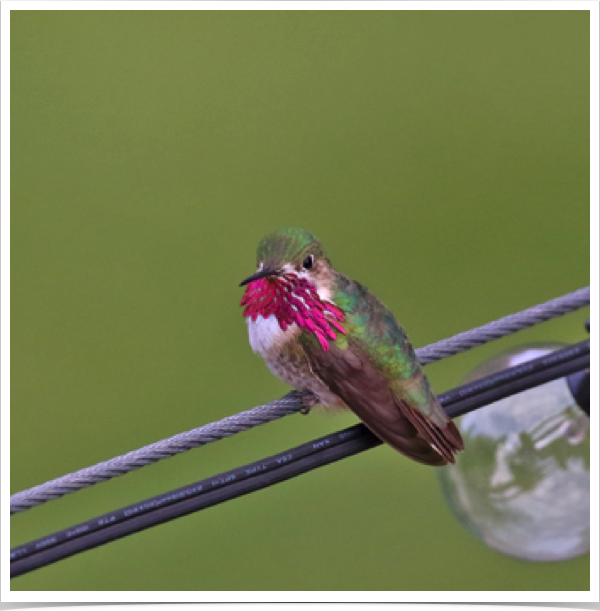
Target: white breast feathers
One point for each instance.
(266, 335)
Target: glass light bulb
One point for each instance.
(522, 485)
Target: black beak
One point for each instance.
(268, 271)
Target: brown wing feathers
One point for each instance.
(446, 440)
(364, 389)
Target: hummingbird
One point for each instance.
(320, 331)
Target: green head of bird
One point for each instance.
(293, 283)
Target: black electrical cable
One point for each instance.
(283, 466)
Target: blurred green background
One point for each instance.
(443, 159)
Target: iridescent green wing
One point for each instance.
(374, 370)
(371, 325)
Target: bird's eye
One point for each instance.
(308, 262)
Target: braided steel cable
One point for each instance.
(291, 403)
(504, 326)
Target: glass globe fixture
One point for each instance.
(522, 485)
